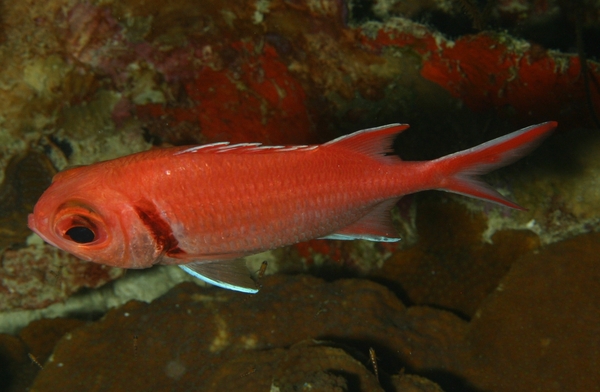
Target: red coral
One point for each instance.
(487, 71)
(254, 99)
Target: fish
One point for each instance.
(205, 207)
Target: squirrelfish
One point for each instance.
(205, 207)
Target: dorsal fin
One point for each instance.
(374, 142)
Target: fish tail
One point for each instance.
(460, 170)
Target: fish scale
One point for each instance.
(235, 205)
(204, 207)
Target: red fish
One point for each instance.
(205, 207)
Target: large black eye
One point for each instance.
(81, 234)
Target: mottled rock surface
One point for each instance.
(449, 266)
(540, 329)
(219, 340)
(21, 356)
(39, 275)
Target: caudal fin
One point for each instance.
(461, 169)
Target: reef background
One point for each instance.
(475, 298)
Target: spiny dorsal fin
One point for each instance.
(242, 148)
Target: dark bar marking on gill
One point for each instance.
(159, 229)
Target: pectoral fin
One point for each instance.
(229, 274)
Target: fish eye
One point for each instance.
(79, 225)
(81, 234)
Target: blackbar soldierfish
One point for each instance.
(204, 207)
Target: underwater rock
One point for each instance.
(208, 337)
(141, 285)
(539, 329)
(21, 356)
(450, 266)
(307, 365)
(41, 336)
(38, 275)
(16, 369)
(411, 383)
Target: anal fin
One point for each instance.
(375, 226)
(228, 274)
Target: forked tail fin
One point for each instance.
(460, 170)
